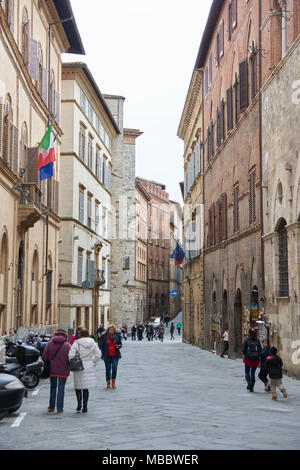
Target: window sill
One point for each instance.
(283, 298)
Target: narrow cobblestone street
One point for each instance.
(169, 396)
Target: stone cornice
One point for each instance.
(190, 103)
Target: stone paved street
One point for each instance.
(169, 396)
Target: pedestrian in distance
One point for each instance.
(274, 366)
(150, 332)
(57, 352)
(133, 333)
(263, 373)
(251, 352)
(110, 345)
(167, 319)
(225, 341)
(161, 331)
(85, 379)
(178, 326)
(172, 329)
(76, 334)
(140, 331)
(99, 332)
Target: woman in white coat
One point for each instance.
(85, 379)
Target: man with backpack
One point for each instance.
(251, 352)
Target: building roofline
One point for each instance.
(64, 10)
(83, 66)
(163, 186)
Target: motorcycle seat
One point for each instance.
(9, 368)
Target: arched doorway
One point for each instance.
(20, 286)
(3, 283)
(238, 338)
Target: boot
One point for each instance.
(79, 400)
(108, 383)
(85, 400)
(113, 383)
(251, 386)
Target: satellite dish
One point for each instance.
(85, 285)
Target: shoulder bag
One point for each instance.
(76, 364)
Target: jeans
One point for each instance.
(57, 393)
(248, 371)
(133, 337)
(111, 366)
(225, 349)
(178, 329)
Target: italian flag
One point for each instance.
(47, 154)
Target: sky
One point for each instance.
(145, 51)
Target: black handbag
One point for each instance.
(46, 370)
(76, 364)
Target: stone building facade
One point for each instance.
(190, 131)
(85, 203)
(281, 201)
(29, 99)
(176, 272)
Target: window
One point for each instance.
(104, 225)
(83, 101)
(97, 216)
(82, 144)
(236, 222)
(244, 95)
(252, 200)
(90, 153)
(283, 259)
(89, 211)
(210, 70)
(99, 164)
(24, 142)
(25, 36)
(206, 81)
(229, 109)
(79, 267)
(81, 205)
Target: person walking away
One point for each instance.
(140, 331)
(225, 342)
(263, 373)
(274, 366)
(251, 352)
(167, 319)
(76, 335)
(57, 352)
(150, 332)
(85, 379)
(133, 333)
(178, 326)
(161, 331)
(110, 345)
(172, 329)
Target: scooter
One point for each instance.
(27, 366)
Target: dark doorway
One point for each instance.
(224, 311)
(238, 338)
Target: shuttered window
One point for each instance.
(81, 205)
(222, 110)
(229, 109)
(252, 198)
(229, 20)
(283, 260)
(236, 223)
(45, 86)
(14, 149)
(244, 96)
(33, 49)
(206, 81)
(234, 13)
(217, 128)
(79, 268)
(214, 224)
(236, 99)
(221, 39)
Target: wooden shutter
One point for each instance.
(210, 227)
(217, 49)
(252, 201)
(234, 13)
(57, 107)
(217, 128)
(14, 149)
(221, 39)
(219, 221)
(222, 106)
(244, 96)
(45, 80)
(229, 20)
(1, 123)
(81, 206)
(224, 216)
(236, 209)
(237, 99)
(33, 48)
(229, 109)
(214, 224)
(31, 174)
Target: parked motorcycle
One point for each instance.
(27, 366)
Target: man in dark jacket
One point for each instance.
(263, 374)
(251, 352)
(140, 331)
(274, 366)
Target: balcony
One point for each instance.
(29, 207)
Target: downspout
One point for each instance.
(261, 151)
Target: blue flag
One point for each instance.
(46, 171)
(178, 254)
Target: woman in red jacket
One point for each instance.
(110, 344)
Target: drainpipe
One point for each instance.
(260, 149)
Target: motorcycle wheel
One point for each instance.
(30, 380)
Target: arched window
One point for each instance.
(25, 35)
(24, 145)
(7, 130)
(283, 264)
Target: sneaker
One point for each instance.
(60, 411)
(50, 409)
(274, 398)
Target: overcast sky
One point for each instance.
(145, 51)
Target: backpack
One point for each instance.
(253, 350)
